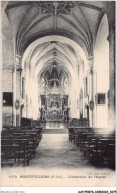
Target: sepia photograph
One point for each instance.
(58, 94)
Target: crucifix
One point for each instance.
(55, 4)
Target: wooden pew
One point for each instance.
(16, 150)
(23, 142)
(97, 145)
(84, 122)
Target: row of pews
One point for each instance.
(18, 144)
(97, 145)
(73, 122)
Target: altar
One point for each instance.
(54, 100)
(54, 125)
(54, 107)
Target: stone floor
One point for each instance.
(55, 151)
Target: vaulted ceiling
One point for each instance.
(47, 31)
(77, 20)
(42, 53)
(43, 32)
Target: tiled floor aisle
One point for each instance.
(55, 150)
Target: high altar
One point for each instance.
(54, 102)
(54, 107)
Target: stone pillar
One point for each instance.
(91, 93)
(111, 39)
(14, 95)
(16, 91)
(23, 96)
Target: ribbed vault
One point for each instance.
(71, 19)
(42, 33)
(37, 63)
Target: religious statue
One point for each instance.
(54, 106)
(42, 114)
(66, 114)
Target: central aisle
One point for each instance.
(58, 162)
(55, 151)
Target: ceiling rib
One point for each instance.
(43, 46)
(25, 28)
(52, 59)
(85, 30)
(43, 33)
(32, 26)
(19, 4)
(22, 23)
(56, 48)
(61, 46)
(49, 65)
(63, 65)
(91, 43)
(90, 6)
(98, 22)
(51, 52)
(83, 35)
(74, 26)
(62, 3)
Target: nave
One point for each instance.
(20, 145)
(58, 89)
(58, 162)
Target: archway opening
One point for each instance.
(54, 66)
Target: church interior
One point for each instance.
(58, 83)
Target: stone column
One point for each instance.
(111, 39)
(18, 90)
(14, 95)
(91, 93)
(22, 95)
